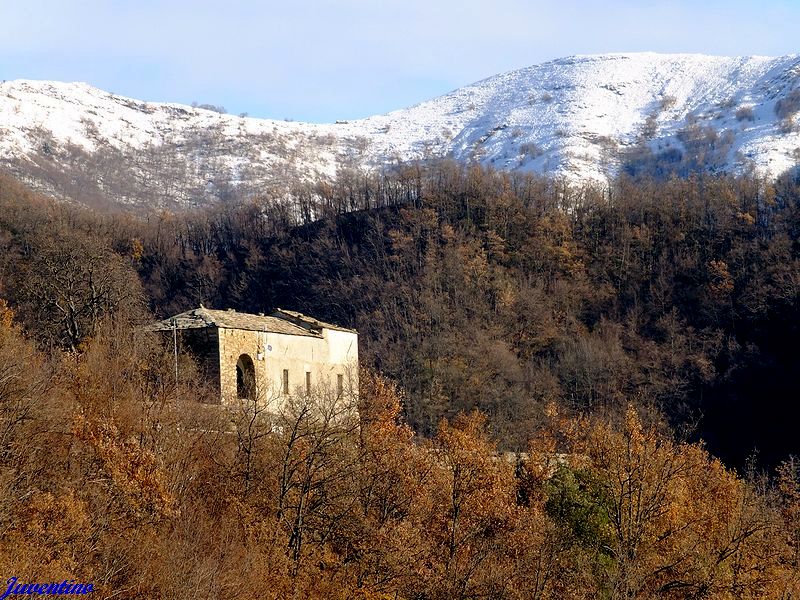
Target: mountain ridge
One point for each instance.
(582, 117)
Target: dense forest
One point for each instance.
(565, 392)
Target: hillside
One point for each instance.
(583, 118)
(640, 354)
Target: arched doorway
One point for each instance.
(245, 378)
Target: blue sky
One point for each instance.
(321, 60)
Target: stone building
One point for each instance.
(269, 357)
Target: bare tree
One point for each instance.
(69, 283)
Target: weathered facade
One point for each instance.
(268, 357)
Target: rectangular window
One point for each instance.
(308, 382)
(339, 385)
(286, 381)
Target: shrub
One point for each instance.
(787, 125)
(788, 105)
(531, 150)
(650, 126)
(667, 102)
(745, 113)
(212, 107)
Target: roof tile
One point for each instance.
(199, 318)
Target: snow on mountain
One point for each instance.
(582, 117)
(567, 116)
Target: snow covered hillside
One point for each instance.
(581, 117)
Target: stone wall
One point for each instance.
(335, 354)
(232, 344)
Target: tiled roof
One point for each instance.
(306, 321)
(202, 317)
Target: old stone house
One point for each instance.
(269, 357)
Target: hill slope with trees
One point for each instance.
(603, 333)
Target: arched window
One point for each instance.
(245, 378)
